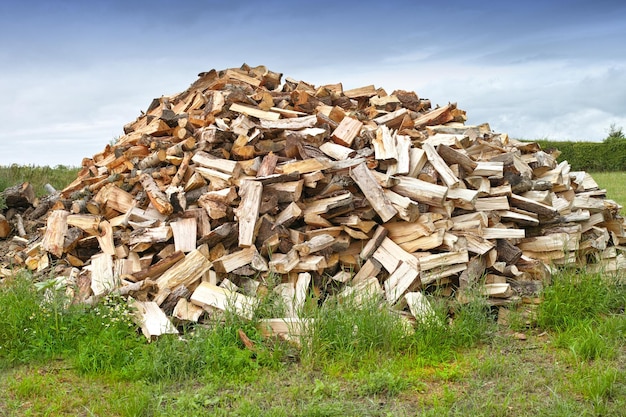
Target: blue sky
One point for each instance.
(72, 72)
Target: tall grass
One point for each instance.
(58, 176)
(355, 355)
(575, 297)
(351, 329)
(39, 325)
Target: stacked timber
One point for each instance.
(214, 192)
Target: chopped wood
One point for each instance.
(241, 176)
(456, 157)
(445, 173)
(408, 210)
(419, 307)
(186, 311)
(372, 245)
(400, 281)
(105, 238)
(5, 227)
(552, 242)
(286, 192)
(292, 123)
(422, 191)
(184, 231)
(315, 244)
(417, 160)
(488, 169)
(384, 145)
(284, 263)
(209, 295)
(370, 269)
(503, 233)
(185, 272)
(347, 130)
(507, 252)
(337, 151)
(305, 166)
(533, 206)
(232, 261)
(156, 196)
(248, 211)
(102, 279)
(289, 214)
(152, 319)
(56, 228)
(150, 235)
(254, 112)
(492, 203)
(403, 162)
(287, 328)
(373, 192)
(154, 271)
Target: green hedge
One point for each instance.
(609, 155)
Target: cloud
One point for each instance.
(75, 72)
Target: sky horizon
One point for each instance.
(74, 73)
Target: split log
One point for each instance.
(248, 211)
(5, 227)
(445, 173)
(154, 271)
(400, 280)
(347, 130)
(422, 191)
(19, 196)
(102, 278)
(184, 231)
(507, 252)
(54, 237)
(156, 196)
(254, 112)
(185, 272)
(209, 295)
(230, 262)
(152, 319)
(373, 192)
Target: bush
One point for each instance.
(608, 155)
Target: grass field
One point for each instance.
(566, 357)
(614, 183)
(58, 176)
(356, 360)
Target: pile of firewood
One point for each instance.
(242, 178)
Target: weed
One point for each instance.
(473, 323)
(597, 384)
(350, 328)
(35, 325)
(574, 296)
(432, 340)
(382, 383)
(326, 389)
(586, 342)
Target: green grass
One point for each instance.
(614, 183)
(359, 359)
(59, 176)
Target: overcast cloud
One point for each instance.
(74, 72)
